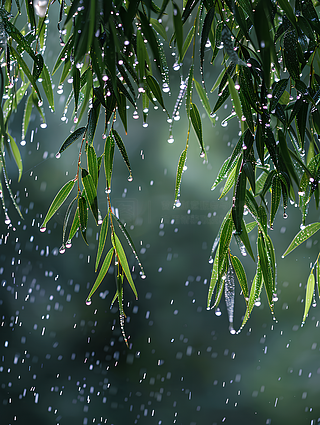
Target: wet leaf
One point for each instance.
(302, 236)
(197, 125)
(108, 160)
(232, 178)
(122, 150)
(141, 54)
(92, 122)
(241, 276)
(181, 164)
(214, 278)
(229, 293)
(83, 217)
(72, 138)
(58, 201)
(189, 91)
(124, 263)
(222, 98)
(159, 28)
(284, 153)
(66, 220)
(102, 239)
(187, 41)
(103, 271)
(91, 192)
(225, 239)
(275, 198)
(239, 201)
(309, 295)
(63, 54)
(277, 92)
(285, 5)
(245, 240)
(155, 88)
(204, 99)
(47, 86)
(16, 155)
(235, 98)
(93, 165)
(75, 225)
(206, 28)
(318, 276)
(266, 270)
(222, 174)
(290, 43)
(76, 86)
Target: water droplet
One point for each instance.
(285, 215)
(176, 66)
(88, 301)
(177, 203)
(68, 244)
(218, 312)
(165, 88)
(171, 139)
(135, 115)
(43, 125)
(108, 189)
(62, 249)
(130, 178)
(143, 276)
(75, 120)
(202, 154)
(43, 229)
(58, 155)
(7, 220)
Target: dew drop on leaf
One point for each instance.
(43, 229)
(58, 155)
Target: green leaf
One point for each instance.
(108, 161)
(189, 90)
(292, 63)
(141, 54)
(155, 88)
(285, 5)
(102, 239)
(275, 197)
(266, 270)
(72, 138)
(241, 276)
(277, 92)
(75, 225)
(66, 221)
(47, 86)
(235, 99)
(58, 201)
(197, 125)
(124, 263)
(25, 69)
(178, 29)
(92, 122)
(181, 164)
(302, 236)
(309, 295)
(232, 177)
(245, 239)
(16, 154)
(122, 109)
(76, 86)
(93, 165)
(204, 99)
(103, 271)
(318, 276)
(214, 278)
(206, 28)
(83, 217)
(159, 28)
(187, 41)
(225, 239)
(91, 191)
(63, 54)
(122, 150)
(239, 201)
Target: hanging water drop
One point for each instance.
(43, 229)
(68, 244)
(171, 139)
(62, 249)
(88, 301)
(58, 155)
(130, 178)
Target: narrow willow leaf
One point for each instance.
(204, 99)
(16, 155)
(155, 88)
(284, 152)
(187, 41)
(235, 98)
(206, 28)
(122, 109)
(229, 294)
(124, 263)
(290, 43)
(58, 201)
(189, 90)
(141, 54)
(72, 138)
(92, 122)
(197, 125)
(26, 115)
(83, 216)
(91, 192)
(102, 239)
(266, 270)
(63, 54)
(241, 276)
(285, 5)
(130, 243)
(66, 221)
(231, 179)
(76, 86)
(275, 198)
(93, 164)
(108, 161)
(302, 236)
(181, 164)
(122, 150)
(245, 240)
(277, 92)
(255, 292)
(251, 226)
(225, 239)
(178, 29)
(219, 292)
(309, 295)
(222, 174)
(159, 28)
(250, 173)
(25, 69)
(214, 278)
(75, 225)
(47, 86)
(103, 271)
(222, 98)
(239, 201)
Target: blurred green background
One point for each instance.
(63, 362)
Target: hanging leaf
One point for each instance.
(16, 154)
(229, 294)
(63, 54)
(225, 239)
(66, 221)
(159, 28)
(47, 86)
(103, 271)
(72, 138)
(275, 198)
(189, 91)
(58, 201)
(102, 239)
(302, 236)
(108, 161)
(155, 88)
(206, 28)
(91, 192)
(181, 164)
(290, 43)
(235, 99)
(318, 276)
(266, 270)
(214, 278)
(241, 276)
(232, 178)
(123, 261)
(187, 41)
(245, 239)
(277, 92)
(239, 201)
(204, 99)
(83, 217)
(76, 86)
(197, 125)
(122, 150)
(178, 29)
(309, 295)
(93, 165)
(75, 225)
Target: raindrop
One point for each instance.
(165, 88)
(43, 229)
(88, 301)
(58, 155)
(130, 178)
(285, 215)
(135, 115)
(68, 244)
(62, 249)
(171, 139)
(218, 312)
(202, 154)
(177, 203)
(176, 66)
(108, 189)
